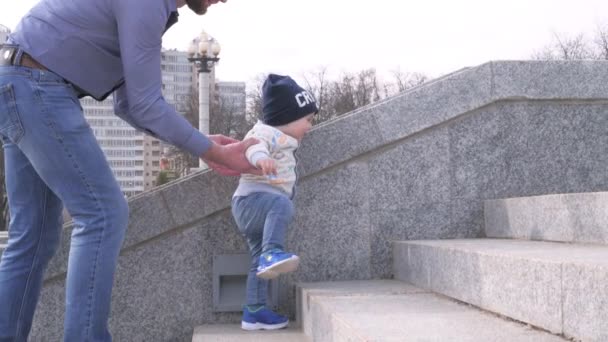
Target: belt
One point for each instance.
(12, 55)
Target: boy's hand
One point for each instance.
(268, 166)
(227, 156)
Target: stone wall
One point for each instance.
(415, 166)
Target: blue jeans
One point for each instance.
(263, 219)
(52, 157)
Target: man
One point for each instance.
(60, 51)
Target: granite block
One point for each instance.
(485, 153)
(416, 221)
(566, 148)
(331, 228)
(431, 105)
(420, 317)
(585, 301)
(234, 333)
(567, 217)
(306, 292)
(550, 79)
(416, 171)
(338, 141)
(198, 196)
(412, 264)
(512, 278)
(466, 219)
(149, 216)
(50, 313)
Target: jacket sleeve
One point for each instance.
(260, 150)
(140, 101)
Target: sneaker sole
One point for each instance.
(285, 266)
(262, 326)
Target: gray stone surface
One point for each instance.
(565, 155)
(331, 215)
(529, 281)
(162, 289)
(197, 197)
(585, 301)
(406, 316)
(305, 293)
(417, 165)
(3, 237)
(234, 333)
(567, 217)
(549, 79)
(428, 106)
(347, 138)
(48, 319)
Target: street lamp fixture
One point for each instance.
(203, 52)
(198, 52)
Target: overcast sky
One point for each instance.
(430, 36)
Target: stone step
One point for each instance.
(395, 311)
(567, 217)
(234, 333)
(555, 286)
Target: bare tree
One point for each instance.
(566, 48)
(254, 100)
(228, 117)
(317, 84)
(407, 80)
(183, 161)
(601, 42)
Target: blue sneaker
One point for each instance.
(274, 262)
(262, 319)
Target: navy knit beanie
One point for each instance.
(284, 101)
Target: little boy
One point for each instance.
(262, 205)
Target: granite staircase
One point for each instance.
(540, 275)
(545, 263)
(393, 190)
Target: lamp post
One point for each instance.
(203, 52)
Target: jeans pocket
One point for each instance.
(10, 123)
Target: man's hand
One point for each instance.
(268, 166)
(227, 156)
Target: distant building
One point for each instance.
(137, 159)
(4, 32)
(232, 97)
(122, 144)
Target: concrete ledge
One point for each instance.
(234, 333)
(569, 217)
(540, 283)
(398, 315)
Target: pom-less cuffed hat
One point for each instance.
(284, 101)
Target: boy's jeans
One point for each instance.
(51, 156)
(263, 219)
